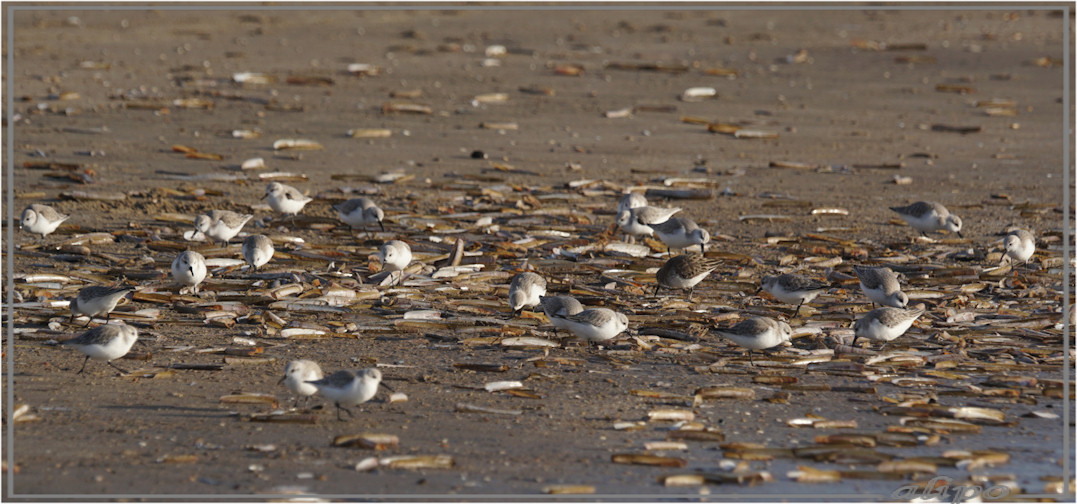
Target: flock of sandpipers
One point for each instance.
(527, 290)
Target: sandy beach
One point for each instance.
(787, 134)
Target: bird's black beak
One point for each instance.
(190, 269)
(281, 380)
(383, 384)
(960, 235)
(264, 196)
(757, 291)
(381, 225)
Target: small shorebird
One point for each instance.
(358, 212)
(96, 300)
(395, 255)
(297, 374)
(257, 250)
(1020, 245)
(757, 333)
(640, 221)
(189, 269)
(596, 324)
(684, 272)
(927, 216)
(105, 342)
(884, 324)
(349, 387)
(631, 200)
(881, 286)
(526, 290)
(792, 289)
(557, 308)
(680, 232)
(285, 199)
(41, 219)
(221, 225)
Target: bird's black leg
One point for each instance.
(83, 365)
(798, 309)
(656, 286)
(339, 408)
(122, 370)
(750, 361)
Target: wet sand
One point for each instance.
(859, 97)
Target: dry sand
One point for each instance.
(845, 104)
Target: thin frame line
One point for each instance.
(1067, 249)
(438, 7)
(10, 264)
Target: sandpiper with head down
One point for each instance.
(96, 300)
(640, 221)
(596, 324)
(884, 324)
(557, 308)
(350, 387)
(791, 288)
(394, 255)
(360, 212)
(525, 291)
(757, 333)
(928, 216)
(631, 200)
(684, 272)
(257, 250)
(681, 232)
(881, 286)
(1020, 245)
